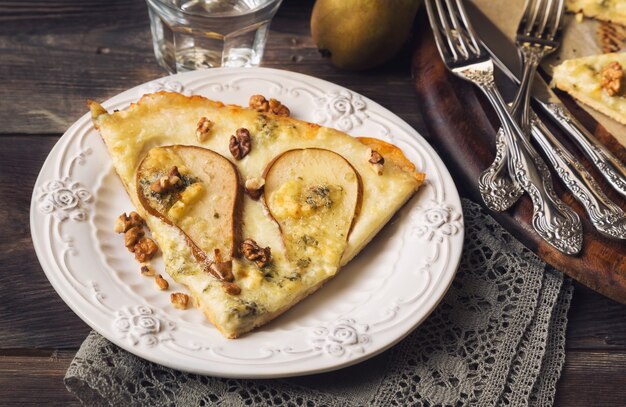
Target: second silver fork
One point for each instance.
(538, 34)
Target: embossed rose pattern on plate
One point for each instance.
(376, 300)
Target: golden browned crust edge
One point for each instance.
(600, 107)
(393, 154)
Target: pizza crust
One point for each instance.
(581, 78)
(167, 118)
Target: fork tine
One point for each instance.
(446, 52)
(453, 35)
(458, 29)
(469, 30)
(443, 17)
(544, 11)
(529, 18)
(541, 20)
(558, 20)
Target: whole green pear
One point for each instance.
(361, 34)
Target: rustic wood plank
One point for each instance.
(66, 56)
(33, 315)
(595, 322)
(35, 380)
(592, 379)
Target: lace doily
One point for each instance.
(497, 338)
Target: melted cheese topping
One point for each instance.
(171, 119)
(187, 198)
(312, 226)
(608, 10)
(582, 78)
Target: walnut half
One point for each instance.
(240, 144)
(253, 252)
(612, 75)
(262, 105)
(203, 129)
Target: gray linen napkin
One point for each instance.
(497, 338)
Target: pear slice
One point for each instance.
(202, 200)
(315, 196)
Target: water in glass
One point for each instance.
(196, 34)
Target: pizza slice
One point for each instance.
(597, 81)
(253, 211)
(606, 10)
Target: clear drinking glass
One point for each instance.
(196, 34)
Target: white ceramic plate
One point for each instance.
(375, 301)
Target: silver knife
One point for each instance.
(507, 61)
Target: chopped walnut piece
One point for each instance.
(254, 187)
(376, 160)
(132, 236)
(145, 249)
(167, 183)
(260, 104)
(231, 288)
(147, 270)
(612, 75)
(179, 300)
(161, 282)
(375, 157)
(203, 130)
(240, 144)
(125, 222)
(278, 108)
(253, 252)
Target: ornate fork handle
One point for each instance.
(609, 166)
(605, 215)
(554, 221)
(496, 187)
(498, 190)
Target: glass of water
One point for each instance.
(196, 34)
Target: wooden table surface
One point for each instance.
(57, 53)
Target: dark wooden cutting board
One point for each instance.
(462, 127)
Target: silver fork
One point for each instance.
(462, 53)
(538, 34)
(605, 215)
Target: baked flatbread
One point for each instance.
(606, 10)
(596, 81)
(326, 195)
